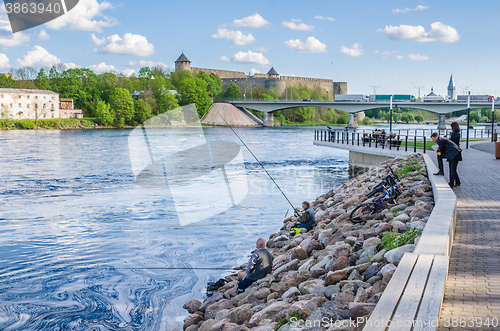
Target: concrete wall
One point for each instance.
(366, 160)
(223, 74)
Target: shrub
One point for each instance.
(391, 240)
(27, 124)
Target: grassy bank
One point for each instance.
(56, 123)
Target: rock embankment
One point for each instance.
(326, 278)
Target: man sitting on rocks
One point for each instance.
(306, 220)
(259, 265)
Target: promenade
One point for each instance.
(473, 285)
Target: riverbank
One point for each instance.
(336, 272)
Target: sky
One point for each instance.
(388, 47)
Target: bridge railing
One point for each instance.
(394, 141)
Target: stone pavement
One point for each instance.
(473, 285)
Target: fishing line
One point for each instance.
(257, 160)
(230, 269)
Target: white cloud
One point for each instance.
(406, 9)
(102, 67)
(418, 57)
(71, 65)
(400, 57)
(311, 45)
(439, 31)
(223, 58)
(43, 35)
(86, 16)
(236, 37)
(38, 57)
(376, 52)
(254, 71)
(128, 72)
(296, 20)
(12, 40)
(251, 58)
(143, 63)
(321, 17)
(355, 51)
(261, 49)
(130, 44)
(4, 62)
(253, 21)
(299, 27)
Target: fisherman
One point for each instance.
(259, 265)
(306, 220)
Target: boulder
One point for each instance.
(268, 312)
(298, 253)
(292, 265)
(403, 218)
(418, 225)
(358, 309)
(214, 298)
(420, 213)
(331, 290)
(192, 306)
(262, 293)
(213, 309)
(317, 273)
(375, 241)
(306, 266)
(387, 268)
(310, 286)
(314, 245)
(395, 255)
(291, 292)
(333, 277)
(240, 315)
(340, 263)
(192, 320)
(207, 325)
(344, 297)
(321, 264)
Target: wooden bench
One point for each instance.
(413, 297)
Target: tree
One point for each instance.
(194, 90)
(103, 113)
(474, 116)
(214, 84)
(419, 118)
(407, 118)
(107, 82)
(233, 92)
(343, 118)
(42, 80)
(7, 82)
(122, 106)
(142, 111)
(167, 102)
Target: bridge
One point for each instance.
(441, 108)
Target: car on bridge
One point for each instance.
(308, 100)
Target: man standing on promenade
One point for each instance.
(452, 153)
(259, 265)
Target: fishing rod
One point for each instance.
(257, 160)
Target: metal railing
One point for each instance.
(390, 142)
(473, 133)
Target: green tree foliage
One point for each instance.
(407, 118)
(214, 84)
(419, 118)
(194, 90)
(103, 113)
(106, 83)
(7, 82)
(142, 111)
(122, 106)
(233, 92)
(343, 118)
(474, 116)
(42, 80)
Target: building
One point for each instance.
(66, 109)
(271, 79)
(28, 104)
(452, 90)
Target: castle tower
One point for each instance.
(182, 63)
(452, 90)
(273, 74)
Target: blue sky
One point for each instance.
(394, 45)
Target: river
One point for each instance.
(83, 247)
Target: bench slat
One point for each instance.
(387, 303)
(408, 305)
(430, 307)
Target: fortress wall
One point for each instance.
(222, 73)
(244, 82)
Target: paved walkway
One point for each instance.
(473, 285)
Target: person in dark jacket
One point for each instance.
(452, 153)
(455, 137)
(307, 219)
(259, 265)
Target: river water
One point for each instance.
(83, 247)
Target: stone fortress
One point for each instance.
(271, 79)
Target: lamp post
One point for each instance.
(492, 117)
(468, 120)
(390, 116)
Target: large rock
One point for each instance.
(321, 264)
(358, 309)
(310, 286)
(331, 290)
(333, 277)
(268, 312)
(344, 297)
(420, 213)
(214, 298)
(387, 268)
(315, 245)
(418, 225)
(292, 265)
(240, 315)
(340, 263)
(395, 255)
(375, 241)
(192, 306)
(401, 218)
(207, 325)
(299, 253)
(192, 320)
(307, 265)
(291, 292)
(213, 309)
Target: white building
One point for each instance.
(21, 104)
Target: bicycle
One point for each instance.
(392, 191)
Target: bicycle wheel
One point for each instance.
(364, 209)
